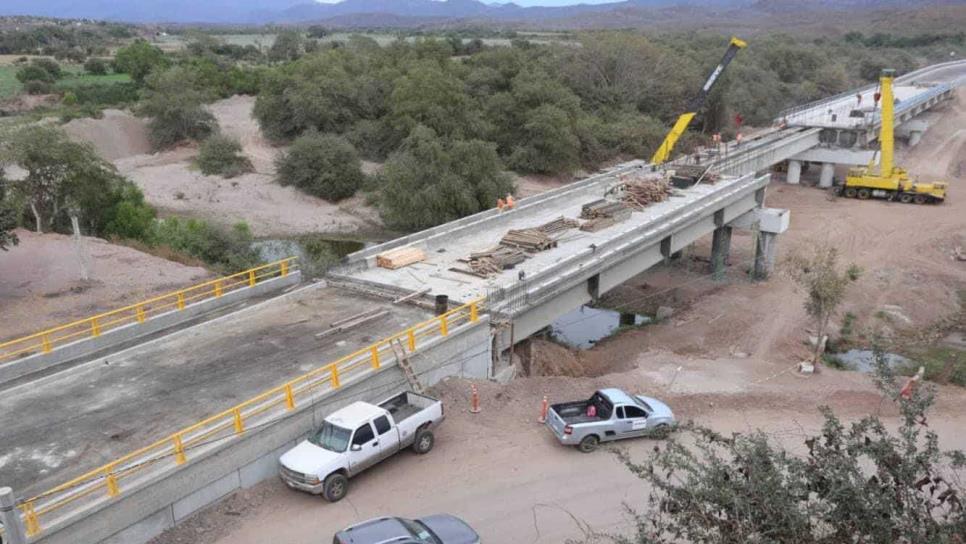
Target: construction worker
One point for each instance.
(500, 204)
(509, 201)
(738, 140)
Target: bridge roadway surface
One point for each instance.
(58, 427)
(907, 88)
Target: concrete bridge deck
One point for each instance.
(60, 426)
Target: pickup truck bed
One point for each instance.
(405, 405)
(573, 413)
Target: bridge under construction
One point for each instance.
(118, 445)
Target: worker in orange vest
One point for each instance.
(510, 203)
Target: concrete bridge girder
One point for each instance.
(547, 302)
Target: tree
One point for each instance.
(317, 31)
(856, 483)
(549, 144)
(174, 101)
(8, 222)
(288, 46)
(427, 182)
(222, 155)
(818, 272)
(95, 66)
(323, 165)
(66, 178)
(430, 95)
(138, 60)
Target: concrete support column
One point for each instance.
(827, 175)
(765, 255)
(720, 250)
(794, 176)
(13, 532)
(914, 137)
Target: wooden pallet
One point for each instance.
(398, 258)
(528, 239)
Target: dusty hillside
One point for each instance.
(41, 285)
(173, 185)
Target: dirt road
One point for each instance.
(507, 476)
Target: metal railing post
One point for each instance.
(283, 268)
(443, 325)
(289, 397)
(140, 314)
(251, 278)
(239, 424)
(375, 356)
(95, 327)
(111, 480)
(47, 346)
(13, 528)
(181, 300)
(334, 375)
(179, 456)
(474, 313)
(411, 333)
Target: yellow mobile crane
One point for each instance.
(663, 153)
(890, 181)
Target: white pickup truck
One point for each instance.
(357, 437)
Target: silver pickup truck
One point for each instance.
(610, 414)
(357, 437)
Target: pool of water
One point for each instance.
(585, 326)
(863, 360)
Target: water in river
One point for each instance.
(585, 326)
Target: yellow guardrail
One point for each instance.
(92, 327)
(168, 453)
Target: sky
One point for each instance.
(521, 2)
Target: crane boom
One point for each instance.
(663, 152)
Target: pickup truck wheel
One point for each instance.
(662, 431)
(424, 441)
(336, 487)
(589, 443)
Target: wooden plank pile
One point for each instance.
(605, 208)
(559, 224)
(641, 194)
(400, 257)
(531, 240)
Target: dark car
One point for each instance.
(438, 529)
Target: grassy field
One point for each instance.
(9, 86)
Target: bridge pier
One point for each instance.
(914, 137)
(827, 175)
(720, 250)
(764, 255)
(794, 176)
(767, 223)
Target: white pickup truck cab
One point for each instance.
(357, 437)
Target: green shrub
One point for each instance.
(139, 59)
(230, 250)
(430, 181)
(174, 101)
(96, 66)
(70, 99)
(34, 73)
(106, 95)
(222, 155)
(322, 165)
(38, 87)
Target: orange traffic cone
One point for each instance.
(474, 401)
(544, 408)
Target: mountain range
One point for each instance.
(394, 12)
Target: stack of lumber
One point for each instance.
(643, 193)
(398, 258)
(559, 224)
(492, 261)
(598, 223)
(532, 240)
(605, 209)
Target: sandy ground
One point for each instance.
(506, 475)
(41, 285)
(173, 185)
